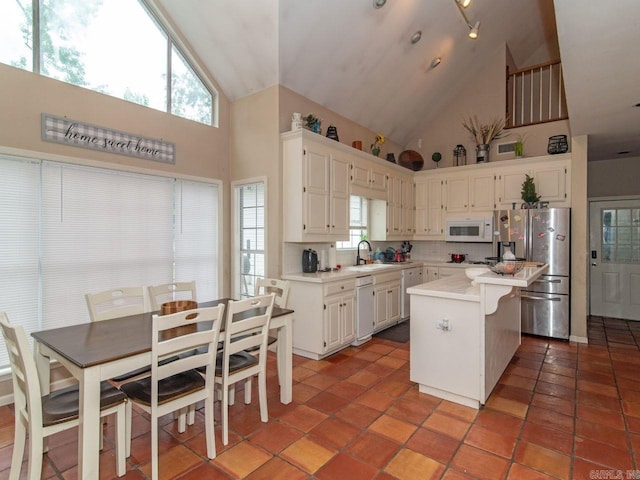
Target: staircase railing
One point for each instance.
(536, 95)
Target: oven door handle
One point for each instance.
(550, 299)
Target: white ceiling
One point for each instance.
(358, 61)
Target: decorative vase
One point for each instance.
(375, 151)
(482, 153)
(391, 157)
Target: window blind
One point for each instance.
(67, 230)
(19, 244)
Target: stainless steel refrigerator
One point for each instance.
(540, 235)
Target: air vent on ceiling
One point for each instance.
(506, 148)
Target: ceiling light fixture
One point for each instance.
(473, 29)
(379, 3)
(435, 62)
(415, 38)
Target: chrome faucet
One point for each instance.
(358, 259)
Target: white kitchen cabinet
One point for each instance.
(316, 191)
(429, 209)
(551, 182)
(387, 301)
(482, 192)
(389, 218)
(551, 178)
(429, 274)
(368, 178)
(324, 318)
(339, 316)
(408, 208)
(457, 194)
(509, 187)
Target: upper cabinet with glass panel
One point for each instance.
(116, 47)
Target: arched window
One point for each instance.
(117, 47)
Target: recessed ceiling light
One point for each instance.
(435, 62)
(415, 38)
(379, 3)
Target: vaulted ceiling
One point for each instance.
(358, 60)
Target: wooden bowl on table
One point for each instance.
(175, 307)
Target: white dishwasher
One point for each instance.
(410, 278)
(364, 309)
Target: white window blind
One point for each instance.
(70, 229)
(196, 236)
(102, 229)
(19, 244)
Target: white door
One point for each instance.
(615, 258)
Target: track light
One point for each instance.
(380, 3)
(473, 29)
(435, 62)
(473, 33)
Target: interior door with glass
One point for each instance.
(615, 258)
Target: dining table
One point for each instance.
(97, 351)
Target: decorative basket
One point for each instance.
(505, 267)
(557, 144)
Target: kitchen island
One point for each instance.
(464, 333)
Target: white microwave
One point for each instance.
(469, 229)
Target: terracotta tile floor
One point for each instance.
(561, 410)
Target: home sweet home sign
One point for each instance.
(84, 135)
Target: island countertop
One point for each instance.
(461, 288)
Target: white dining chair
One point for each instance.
(42, 416)
(159, 294)
(116, 302)
(246, 327)
(175, 386)
(280, 288)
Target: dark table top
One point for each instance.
(90, 344)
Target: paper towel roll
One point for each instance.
(332, 257)
(323, 259)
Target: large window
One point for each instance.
(70, 229)
(250, 237)
(358, 218)
(114, 47)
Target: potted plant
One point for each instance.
(375, 146)
(529, 195)
(518, 147)
(483, 134)
(313, 123)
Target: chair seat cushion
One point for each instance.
(237, 361)
(63, 404)
(168, 388)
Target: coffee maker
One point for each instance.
(309, 261)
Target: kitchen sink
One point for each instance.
(367, 267)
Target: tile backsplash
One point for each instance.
(422, 250)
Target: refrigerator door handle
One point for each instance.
(548, 281)
(551, 299)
